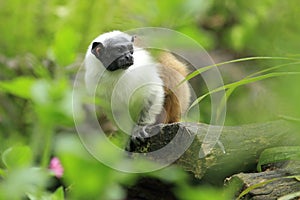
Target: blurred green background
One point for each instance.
(42, 44)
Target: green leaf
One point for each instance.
(58, 194)
(29, 181)
(1, 172)
(17, 157)
(278, 154)
(20, 87)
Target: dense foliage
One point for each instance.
(42, 46)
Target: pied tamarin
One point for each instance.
(126, 77)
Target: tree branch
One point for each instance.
(243, 145)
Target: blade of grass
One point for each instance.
(252, 187)
(290, 196)
(289, 118)
(243, 82)
(230, 90)
(271, 68)
(203, 69)
(261, 184)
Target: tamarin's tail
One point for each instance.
(177, 97)
(169, 60)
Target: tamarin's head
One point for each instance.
(114, 50)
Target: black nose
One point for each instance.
(128, 57)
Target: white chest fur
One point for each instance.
(139, 89)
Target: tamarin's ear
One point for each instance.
(97, 47)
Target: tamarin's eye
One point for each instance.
(130, 49)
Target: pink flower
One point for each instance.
(56, 167)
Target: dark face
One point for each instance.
(115, 54)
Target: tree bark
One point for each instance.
(242, 144)
(268, 184)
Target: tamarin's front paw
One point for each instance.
(139, 134)
(137, 138)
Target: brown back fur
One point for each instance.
(177, 98)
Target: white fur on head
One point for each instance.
(101, 38)
(94, 68)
